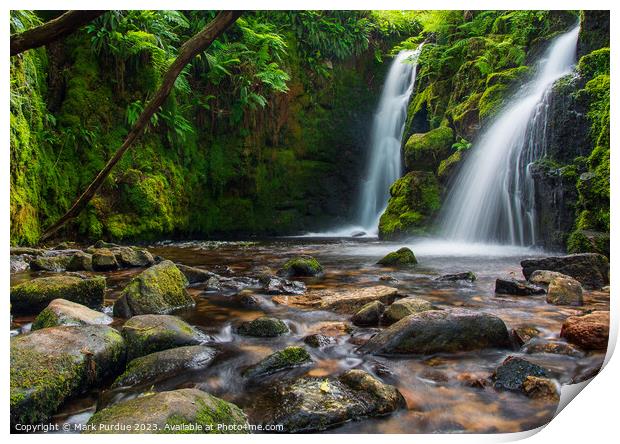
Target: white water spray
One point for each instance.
(492, 198)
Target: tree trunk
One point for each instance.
(51, 31)
(188, 51)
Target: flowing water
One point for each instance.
(492, 198)
(437, 399)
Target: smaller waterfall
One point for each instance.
(492, 198)
(384, 161)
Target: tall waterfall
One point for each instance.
(492, 198)
(384, 160)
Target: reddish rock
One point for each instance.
(590, 332)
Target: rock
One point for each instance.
(19, 263)
(553, 347)
(80, 261)
(437, 331)
(104, 260)
(590, 269)
(276, 285)
(18, 251)
(314, 404)
(263, 327)
(301, 266)
(472, 380)
(590, 331)
(358, 234)
(195, 275)
(147, 334)
(448, 167)
(401, 257)
(133, 257)
(157, 290)
(51, 365)
(369, 314)
(164, 364)
(405, 307)
(33, 296)
(524, 334)
(565, 291)
(318, 340)
(285, 359)
(511, 374)
(185, 410)
(387, 278)
(516, 288)
(341, 301)
(425, 151)
(62, 312)
(103, 244)
(50, 263)
(544, 277)
(464, 276)
(541, 388)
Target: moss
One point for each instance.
(301, 266)
(595, 63)
(447, 166)
(402, 257)
(287, 358)
(424, 152)
(47, 318)
(264, 327)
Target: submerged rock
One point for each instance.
(19, 263)
(50, 263)
(516, 288)
(314, 404)
(524, 334)
(195, 275)
(512, 373)
(276, 285)
(564, 291)
(369, 314)
(437, 331)
(179, 411)
(341, 301)
(590, 331)
(33, 296)
(318, 340)
(301, 266)
(157, 290)
(146, 334)
(263, 327)
(552, 347)
(285, 359)
(62, 312)
(464, 276)
(104, 260)
(51, 365)
(164, 364)
(590, 269)
(405, 307)
(80, 261)
(401, 257)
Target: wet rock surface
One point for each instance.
(62, 312)
(590, 331)
(590, 269)
(285, 359)
(263, 327)
(301, 266)
(564, 291)
(512, 373)
(516, 287)
(369, 314)
(405, 307)
(453, 277)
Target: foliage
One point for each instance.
(461, 145)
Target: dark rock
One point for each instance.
(104, 260)
(276, 285)
(285, 359)
(511, 374)
(103, 244)
(591, 269)
(438, 331)
(164, 364)
(464, 276)
(195, 275)
(80, 261)
(516, 288)
(590, 331)
(319, 341)
(133, 257)
(369, 314)
(62, 312)
(358, 234)
(263, 327)
(301, 266)
(405, 307)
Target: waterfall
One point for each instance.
(492, 197)
(384, 160)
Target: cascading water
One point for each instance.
(492, 198)
(384, 162)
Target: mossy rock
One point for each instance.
(595, 63)
(80, 261)
(424, 152)
(403, 257)
(369, 314)
(164, 364)
(179, 411)
(448, 166)
(301, 266)
(49, 366)
(33, 296)
(104, 260)
(285, 359)
(50, 263)
(414, 200)
(62, 312)
(263, 327)
(588, 241)
(147, 334)
(133, 257)
(159, 289)
(405, 307)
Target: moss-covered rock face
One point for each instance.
(424, 152)
(62, 312)
(401, 257)
(263, 327)
(133, 257)
(50, 263)
(369, 314)
(48, 366)
(164, 364)
(178, 411)
(288, 358)
(301, 266)
(414, 199)
(448, 167)
(33, 296)
(147, 334)
(159, 289)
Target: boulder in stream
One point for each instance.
(50, 365)
(453, 277)
(277, 285)
(62, 312)
(552, 347)
(405, 307)
(301, 266)
(133, 257)
(544, 277)
(104, 260)
(285, 359)
(564, 290)
(195, 275)
(591, 269)
(516, 287)
(186, 410)
(513, 371)
(402, 257)
(80, 261)
(590, 331)
(440, 331)
(33, 296)
(263, 327)
(369, 314)
(541, 388)
(159, 289)
(50, 263)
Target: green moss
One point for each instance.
(424, 152)
(447, 166)
(287, 358)
(264, 327)
(595, 63)
(402, 257)
(47, 318)
(301, 266)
